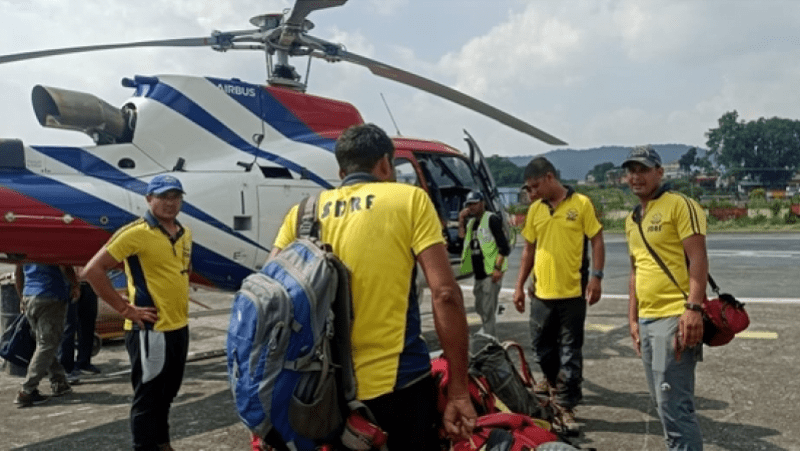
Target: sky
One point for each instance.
(592, 73)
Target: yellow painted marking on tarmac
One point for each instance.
(473, 319)
(600, 327)
(758, 335)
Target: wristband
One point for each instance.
(693, 306)
(597, 273)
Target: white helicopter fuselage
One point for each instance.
(244, 153)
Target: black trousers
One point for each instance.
(152, 400)
(409, 416)
(81, 318)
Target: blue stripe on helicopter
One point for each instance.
(262, 103)
(174, 99)
(88, 164)
(220, 271)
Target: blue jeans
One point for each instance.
(557, 340)
(671, 382)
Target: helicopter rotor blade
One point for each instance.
(438, 89)
(218, 40)
(302, 8)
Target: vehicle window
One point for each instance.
(449, 171)
(405, 172)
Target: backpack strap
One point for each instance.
(307, 223)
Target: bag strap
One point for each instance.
(307, 223)
(637, 218)
(524, 374)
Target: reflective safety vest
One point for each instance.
(488, 244)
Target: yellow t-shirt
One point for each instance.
(561, 244)
(668, 220)
(377, 229)
(157, 270)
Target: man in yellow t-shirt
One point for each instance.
(157, 252)
(665, 316)
(558, 230)
(380, 230)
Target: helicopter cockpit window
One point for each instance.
(452, 178)
(405, 172)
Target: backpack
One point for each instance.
(508, 432)
(18, 342)
(483, 400)
(489, 358)
(288, 343)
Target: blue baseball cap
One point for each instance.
(164, 182)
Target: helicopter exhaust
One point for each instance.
(72, 110)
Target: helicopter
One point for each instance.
(244, 152)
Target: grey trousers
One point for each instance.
(671, 382)
(46, 315)
(486, 293)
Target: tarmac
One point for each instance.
(747, 392)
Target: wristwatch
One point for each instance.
(693, 306)
(597, 273)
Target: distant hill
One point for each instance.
(575, 164)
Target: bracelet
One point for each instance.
(693, 306)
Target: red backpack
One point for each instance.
(483, 400)
(506, 431)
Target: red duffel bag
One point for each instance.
(723, 318)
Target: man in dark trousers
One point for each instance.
(79, 332)
(560, 227)
(45, 291)
(157, 252)
(485, 255)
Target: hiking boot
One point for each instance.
(60, 388)
(91, 369)
(33, 398)
(74, 377)
(568, 422)
(543, 388)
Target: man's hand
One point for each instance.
(497, 275)
(140, 315)
(637, 341)
(690, 331)
(459, 418)
(519, 299)
(593, 290)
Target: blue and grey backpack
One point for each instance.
(288, 343)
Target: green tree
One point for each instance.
(688, 160)
(599, 171)
(505, 172)
(766, 150)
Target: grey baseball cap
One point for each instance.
(645, 155)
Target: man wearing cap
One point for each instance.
(665, 310)
(485, 254)
(156, 250)
(560, 227)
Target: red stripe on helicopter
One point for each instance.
(325, 117)
(41, 233)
